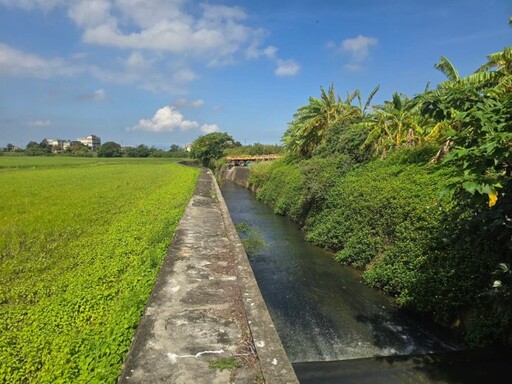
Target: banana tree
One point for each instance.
(313, 121)
(394, 124)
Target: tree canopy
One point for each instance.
(110, 149)
(211, 146)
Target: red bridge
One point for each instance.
(246, 159)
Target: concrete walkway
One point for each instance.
(206, 311)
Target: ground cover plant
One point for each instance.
(80, 247)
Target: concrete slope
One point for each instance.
(195, 322)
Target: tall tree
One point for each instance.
(211, 146)
(110, 149)
(313, 121)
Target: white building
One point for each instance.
(55, 143)
(91, 141)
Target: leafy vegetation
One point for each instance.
(254, 149)
(80, 246)
(417, 192)
(224, 363)
(252, 238)
(209, 147)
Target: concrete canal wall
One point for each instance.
(239, 175)
(206, 308)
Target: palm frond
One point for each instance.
(370, 97)
(447, 68)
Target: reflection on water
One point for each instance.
(322, 310)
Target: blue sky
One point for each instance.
(162, 72)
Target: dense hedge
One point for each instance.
(387, 217)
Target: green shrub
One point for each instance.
(281, 186)
(345, 141)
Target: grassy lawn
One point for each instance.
(81, 242)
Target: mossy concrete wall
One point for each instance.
(239, 175)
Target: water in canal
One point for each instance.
(322, 311)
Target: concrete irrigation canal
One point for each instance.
(206, 321)
(285, 314)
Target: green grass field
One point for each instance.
(81, 242)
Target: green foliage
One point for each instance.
(110, 149)
(482, 139)
(252, 238)
(224, 363)
(79, 150)
(345, 140)
(420, 155)
(395, 124)
(480, 120)
(311, 122)
(80, 247)
(35, 149)
(319, 175)
(255, 149)
(283, 189)
(139, 151)
(211, 146)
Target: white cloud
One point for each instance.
(17, 63)
(358, 47)
(137, 61)
(148, 13)
(166, 119)
(215, 34)
(287, 68)
(255, 52)
(164, 36)
(283, 67)
(90, 13)
(209, 128)
(169, 119)
(354, 67)
(270, 52)
(39, 123)
(189, 103)
(98, 95)
(183, 76)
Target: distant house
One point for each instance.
(188, 147)
(56, 144)
(91, 141)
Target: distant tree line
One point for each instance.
(108, 149)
